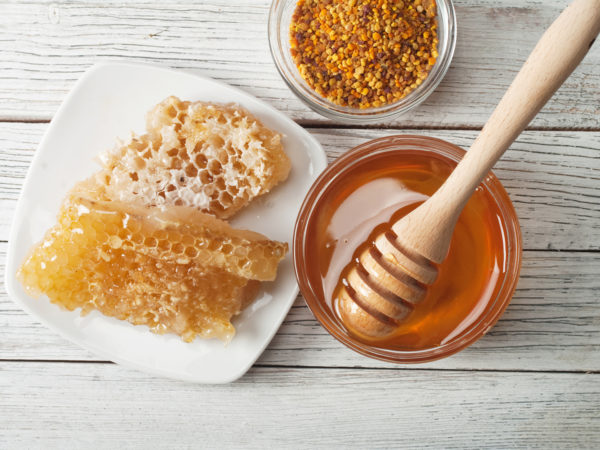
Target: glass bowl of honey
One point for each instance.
(377, 183)
(362, 61)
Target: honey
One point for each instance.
(377, 191)
(176, 270)
(143, 239)
(216, 158)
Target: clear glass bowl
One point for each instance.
(280, 16)
(312, 289)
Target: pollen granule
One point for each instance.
(364, 53)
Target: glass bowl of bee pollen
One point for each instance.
(361, 61)
(375, 184)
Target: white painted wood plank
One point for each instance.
(552, 323)
(553, 178)
(45, 46)
(104, 406)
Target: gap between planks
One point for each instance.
(344, 126)
(543, 249)
(316, 367)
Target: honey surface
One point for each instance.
(381, 191)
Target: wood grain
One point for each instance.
(307, 390)
(552, 177)
(552, 323)
(45, 46)
(73, 405)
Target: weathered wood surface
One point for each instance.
(66, 405)
(552, 177)
(552, 323)
(532, 382)
(45, 46)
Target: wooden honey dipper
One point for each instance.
(392, 273)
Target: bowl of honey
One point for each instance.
(377, 183)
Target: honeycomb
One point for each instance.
(176, 267)
(177, 270)
(216, 158)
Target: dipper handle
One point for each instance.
(559, 51)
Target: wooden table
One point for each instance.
(533, 381)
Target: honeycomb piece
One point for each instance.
(193, 235)
(135, 268)
(213, 157)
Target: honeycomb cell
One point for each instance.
(223, 157)
(150, 242)
(191, 171)
(200, 160)
(216, 141)
(205, 177)
(225, 199)
(215, 205)
(191, 252)
(164, 245)
(240, 251)
(214, 167)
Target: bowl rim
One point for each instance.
(494, 309)
(369, 115)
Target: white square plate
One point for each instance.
(110, 101)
